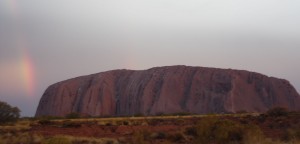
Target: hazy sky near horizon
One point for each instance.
(43, 42)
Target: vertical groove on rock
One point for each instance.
(187, 92)
(144, 81)
(90, 97)
(117, 94)
(76, 107)
(85, 84)
(231, 96)
(142, 94)
(122, 77)
(54, 97)
(62, 99)
(100, 100)
(156, 91)
(291, 97)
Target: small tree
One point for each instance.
(8, 113)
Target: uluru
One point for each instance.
(167, 90)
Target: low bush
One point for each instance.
(125, 123)
(158, 135)
(70, 124)
(176, 137)
(73, 115)
(213, 130)
(141, 137)
(179, 121)
(262, 118)
(45, 122)
(155, 122)
(252, 134)
(191, 131)
(139, 115)
(277, 112)
(108, 124)
(58, 140)
(20, 138)
(291, 134)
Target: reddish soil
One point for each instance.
(111, 131)
(272, 127)
(101, 131)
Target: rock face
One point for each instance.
(166, 90)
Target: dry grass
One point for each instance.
(238, 128)
(26, 138)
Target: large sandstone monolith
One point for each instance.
(170, 89)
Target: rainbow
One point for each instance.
(26, 69)
(27, 72)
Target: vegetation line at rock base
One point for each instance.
(275, 126)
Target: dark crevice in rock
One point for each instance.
(187, 92)
(90, 96)
(81, 92)
(156, 91)
(100, 100)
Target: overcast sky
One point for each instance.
(46, 41)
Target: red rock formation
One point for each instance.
(169, 89)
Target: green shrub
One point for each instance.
(204, 130)
(262, 118)
(125, 123)
(108, 124)
(191, 131)
(291, 134)
(277, 112)
(58, 140)
(73, 115)
(8, 113)
(158, 135)
(176, 137)
(179, 121)
(213, 130)
(253, 134)
(155, 122)
(227, 131)
(45, 122)
(141, 137)
(70, 124)
(139, 115)
(20, 138)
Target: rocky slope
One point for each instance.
(170, 89)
